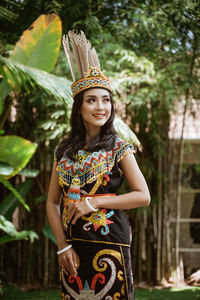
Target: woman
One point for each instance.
(94, 236)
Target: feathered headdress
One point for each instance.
(87, 64)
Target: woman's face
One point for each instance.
(96, 108)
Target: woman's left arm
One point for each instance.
(139, 195)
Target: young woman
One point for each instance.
(86, 216)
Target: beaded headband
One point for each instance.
(87, 63)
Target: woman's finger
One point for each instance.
(70, 214)
(67, 264)
(76, 218)
(71, 266)
(66, 260)
(64, 269)
(75, 259)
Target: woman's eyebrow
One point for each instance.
(104, 96)
(90, 96)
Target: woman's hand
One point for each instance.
(78, 209)
(68, 262)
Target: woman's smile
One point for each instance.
(95, 110)
(99, 116)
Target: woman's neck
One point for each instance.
(91, 134)
(89, 138)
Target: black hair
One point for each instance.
(76, 138)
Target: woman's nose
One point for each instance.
(99, 104)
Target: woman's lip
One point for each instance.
(99, 116)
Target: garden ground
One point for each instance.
(189, 293)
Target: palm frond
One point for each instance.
(126, 133)
(58, 87)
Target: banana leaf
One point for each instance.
(39, 45)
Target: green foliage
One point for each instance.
(30, 173)
(7, 14)
(16, 151)
(55, 86)
(8, 205)
(150, 50)
(13, 234)
(6, 169)
(47, 231)
(39, 46)
(9, 186)
(126, 133)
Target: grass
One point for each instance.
(189, 293)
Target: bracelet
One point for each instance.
(64, 249)
(89, 205)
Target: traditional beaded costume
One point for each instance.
(101, 239)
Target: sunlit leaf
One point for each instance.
(31, 173)
(12, 234)
(39, 45)
(7, 226)
(57, 114)
(22, 235)
(16, 151)
(6, 169)
(126, 133)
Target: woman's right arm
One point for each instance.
(67, 260)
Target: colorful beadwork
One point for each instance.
(94, 78)
(74, 189)
(93, 165)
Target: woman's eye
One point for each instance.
(107, 99)
(91, 100)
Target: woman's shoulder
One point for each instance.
(122, 148)
(121, 143)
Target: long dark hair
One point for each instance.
(76, 138)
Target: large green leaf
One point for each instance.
(22, 235)
(9, 186)
(6, 169)
(126, 133)
(8, 205)
(16, 151)
(7, 226)
(58, 87)
(47, 231)
(13, 234)
(39, 45)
